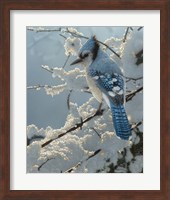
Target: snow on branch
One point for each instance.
(73, 80)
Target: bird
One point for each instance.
(106, 81)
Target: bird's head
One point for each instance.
(88, 52)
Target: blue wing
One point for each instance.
(112, 87)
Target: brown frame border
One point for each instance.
(5, 7)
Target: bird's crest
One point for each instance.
(91, 45)
(96, 47)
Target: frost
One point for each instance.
(34, 134)
(72, 46)
(54, 90)
(87, 108)
(115, 43)
(112, 42)
(90, 141)
(37, 29)
(63, 153)
(73, 80)
(74, 31)
(33, 153)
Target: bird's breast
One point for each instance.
(93, 88)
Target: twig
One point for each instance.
(132, 94)
(133, 79)
(79, 163)
(96, 132)
(125, 36)
(140, 28)
(109, 48)
(44, 163)
(63, 36)
(76, 34)
(66, 60)
(136, 125)
(39, 137)
(68, 99)
(47, 68)
(36, 87)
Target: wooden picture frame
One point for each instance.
(5, 7)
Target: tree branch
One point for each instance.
(132, 94)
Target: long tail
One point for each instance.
(120, 120)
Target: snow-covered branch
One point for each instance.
(99, 112)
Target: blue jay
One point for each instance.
(105, 81)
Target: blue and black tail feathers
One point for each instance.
(120, 120)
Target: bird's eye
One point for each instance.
(85, 55)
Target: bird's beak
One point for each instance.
(79, 60)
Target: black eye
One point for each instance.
(85, 55)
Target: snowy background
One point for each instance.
(65, 131)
